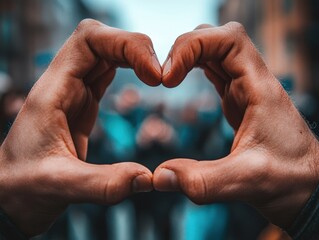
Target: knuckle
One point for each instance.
(113, 191)
(236, 28)
(86, 24)
(38, 100)
(188, 40)
(34, 98)
(203, 26)
(196, 188)
(259, 171)
(142, 37)
(235, 25)
(183, 38)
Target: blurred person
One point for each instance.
(128, 100)
(129, 105)
(156, 142)
(189, 131)
(201, 127)
(155, 138)
(123, 117)
(205, 222)
(155, 130)
(115, 126)
(145, 142)
(200, 130)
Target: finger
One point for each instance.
(101, 83)
(203, 26)
(215, 79)
(205, 181)
(218, 70)
(103, 184)
(228, 45)
(81, 129)
(92, 41)
(217, 76)
(100, 68)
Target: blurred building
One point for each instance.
(286, 32)
(32, 31)
(280, 27)
(266, 24)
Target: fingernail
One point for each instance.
(142, 183)
(167, 67)
(156, 64)
(167, 180)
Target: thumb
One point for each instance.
(93, 40)
(203, 181)
(104, 184)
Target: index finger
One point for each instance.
(93, 40)
(228, 45)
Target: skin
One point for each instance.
(42, 167)
(272, 164)
(273, 161)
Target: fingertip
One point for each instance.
(174, 73)
(167, 67)
(109, 184)
(142, 183)
(166, 74)
(169, 83)
(152, 79)
(153, 82)
(127, 179)
(155, 78)
(156, 64)
(165, 180)
(142, 179)
(143, 59)
(175, 175)
(151, 72)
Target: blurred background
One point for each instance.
(150, 125)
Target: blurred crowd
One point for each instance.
(147, 127)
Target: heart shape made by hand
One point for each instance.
(42, 158)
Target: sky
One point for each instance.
(163, 20)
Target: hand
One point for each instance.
(42, 166)
(273, 161)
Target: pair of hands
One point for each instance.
(272, 164)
